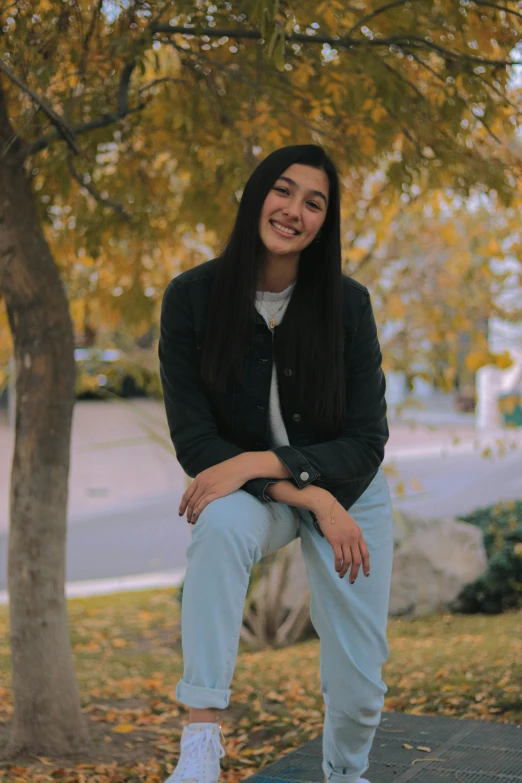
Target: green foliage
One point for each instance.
(171, 123)
(500, 587)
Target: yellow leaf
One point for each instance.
(378, 112)
(396, 308)
(367, 143)
(124, 728)
(330, 18)
(45, 761)
(400, 489)
(426, 750)
(408, 747)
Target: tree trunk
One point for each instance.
(47, 716)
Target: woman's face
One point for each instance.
(297, 201)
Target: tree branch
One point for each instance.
(62, 128)
(458, 96)
(499, 7)
(87, 40)
(418, 92)
(122, 110)
(377, 12)
(123, 90)
(95, 16)
(164, 80)
(340, 138)
(89, 187)
(505, 100)
(402, 41)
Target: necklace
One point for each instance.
(272, 322)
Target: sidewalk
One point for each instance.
(422, 441)
(116, 463)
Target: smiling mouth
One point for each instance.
(282, 230)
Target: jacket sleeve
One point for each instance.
(359, 450)
(192, 425)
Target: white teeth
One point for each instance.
(283, 228)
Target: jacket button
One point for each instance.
(304, 476)
(260, 407)
(296, 417)
(288, 371)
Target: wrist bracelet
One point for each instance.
(330, 512)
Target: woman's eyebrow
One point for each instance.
(315, 192)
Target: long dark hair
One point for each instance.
(313, 322)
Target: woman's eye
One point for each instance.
(284, 190)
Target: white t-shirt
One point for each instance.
(272, 308)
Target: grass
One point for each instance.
(128, 660)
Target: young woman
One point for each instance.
(275, 399)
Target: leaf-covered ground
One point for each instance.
(128, 659)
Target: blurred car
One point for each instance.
(100, 371)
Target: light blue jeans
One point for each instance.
(238, 530)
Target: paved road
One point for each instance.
(150, 536)
(455, 485)
(147, 537)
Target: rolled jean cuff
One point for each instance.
(202, 698)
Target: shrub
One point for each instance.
(500, 587)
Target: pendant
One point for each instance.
(272, 323)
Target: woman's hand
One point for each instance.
(345, 537)
(214, 482)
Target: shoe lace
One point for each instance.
(195, 744)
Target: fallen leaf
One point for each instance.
(421, 747)
(405, 745)
(119, 643)
(124, 728)
(273, 696)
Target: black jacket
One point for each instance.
(209, 427)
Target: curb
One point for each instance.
(119, 584)
(449, 449)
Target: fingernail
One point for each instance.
(368, 574)
(352, 581)
(180, 513)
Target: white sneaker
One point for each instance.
(201, 750)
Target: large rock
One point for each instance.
(432, 561)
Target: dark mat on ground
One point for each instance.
(460, 751)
